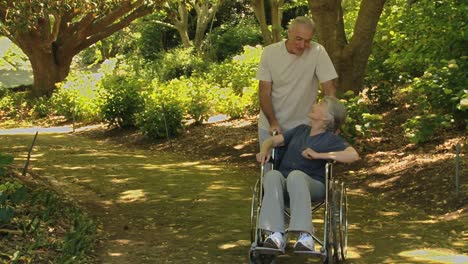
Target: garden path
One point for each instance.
(160, 207)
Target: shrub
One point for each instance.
(360, 122)
(408, 43)
(178, 62)
(76, 98)
(437, 98)
(162, 114)
(122, 100)
(228, 39)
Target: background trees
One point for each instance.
(51, 33)
(389, 53)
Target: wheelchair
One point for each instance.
(333, 246)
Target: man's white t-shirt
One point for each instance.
(295, 81)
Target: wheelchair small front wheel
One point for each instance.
(257, 258)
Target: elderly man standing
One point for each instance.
(289, 75)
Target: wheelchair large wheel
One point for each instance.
(343, 222)
(254, 231)
(338, 223)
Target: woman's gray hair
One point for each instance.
(336, 113)
(302, 20)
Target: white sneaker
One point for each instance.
(275, 240)
(304, 243)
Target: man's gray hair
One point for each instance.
(302, 20)
(336, 113)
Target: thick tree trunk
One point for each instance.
(350, 59)
(50, 64)
(46, 74)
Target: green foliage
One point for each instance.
(228, 39)
(238, 72)
(11, 56)
(37, 212)
(360, 122)
(162, 115)
(154, 38)
(412, 36)
(421, 128)
(13, 104)
(178, 62)
(238, 105)
(76, 98)
(437, 98)
(122, 100)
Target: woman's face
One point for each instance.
(318, 112)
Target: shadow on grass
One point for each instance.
(162, 208)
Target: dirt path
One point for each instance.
(157, 207)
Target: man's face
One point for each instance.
(299, 38)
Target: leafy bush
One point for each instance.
(178, 62)
(360, 122)
(438, 100)
(408, 42)
(236, 106)
(122, 100)
(14, 104)
(238, 72)
(162, 114)
(76, 98)
(228, 39)
(421, 128)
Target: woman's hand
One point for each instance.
(263, 157)
(310, 154)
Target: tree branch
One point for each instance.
(105, 32)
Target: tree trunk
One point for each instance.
(276, 17)
(350, 59)
(46, 74)
(50, 64)
(259, 10)
(205, 14)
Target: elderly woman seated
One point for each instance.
(301, 174)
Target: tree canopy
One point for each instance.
(51, 33)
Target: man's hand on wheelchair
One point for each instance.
(263, 157)
(310, 154)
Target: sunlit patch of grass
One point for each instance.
(238, 243)
(132, 196)
(435, 255)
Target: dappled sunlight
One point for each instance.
(434, 256)
(131, 196)
(114, 180)
(114, 254)
(353, 253)
(238, 243)
(356, 251)
(389, 213)
(384, 182)
(394, 162)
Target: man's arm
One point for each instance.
(329, 88)
(266, 104)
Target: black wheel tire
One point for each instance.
(256, 258)
(343, 225)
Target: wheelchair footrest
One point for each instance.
(269, 251)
